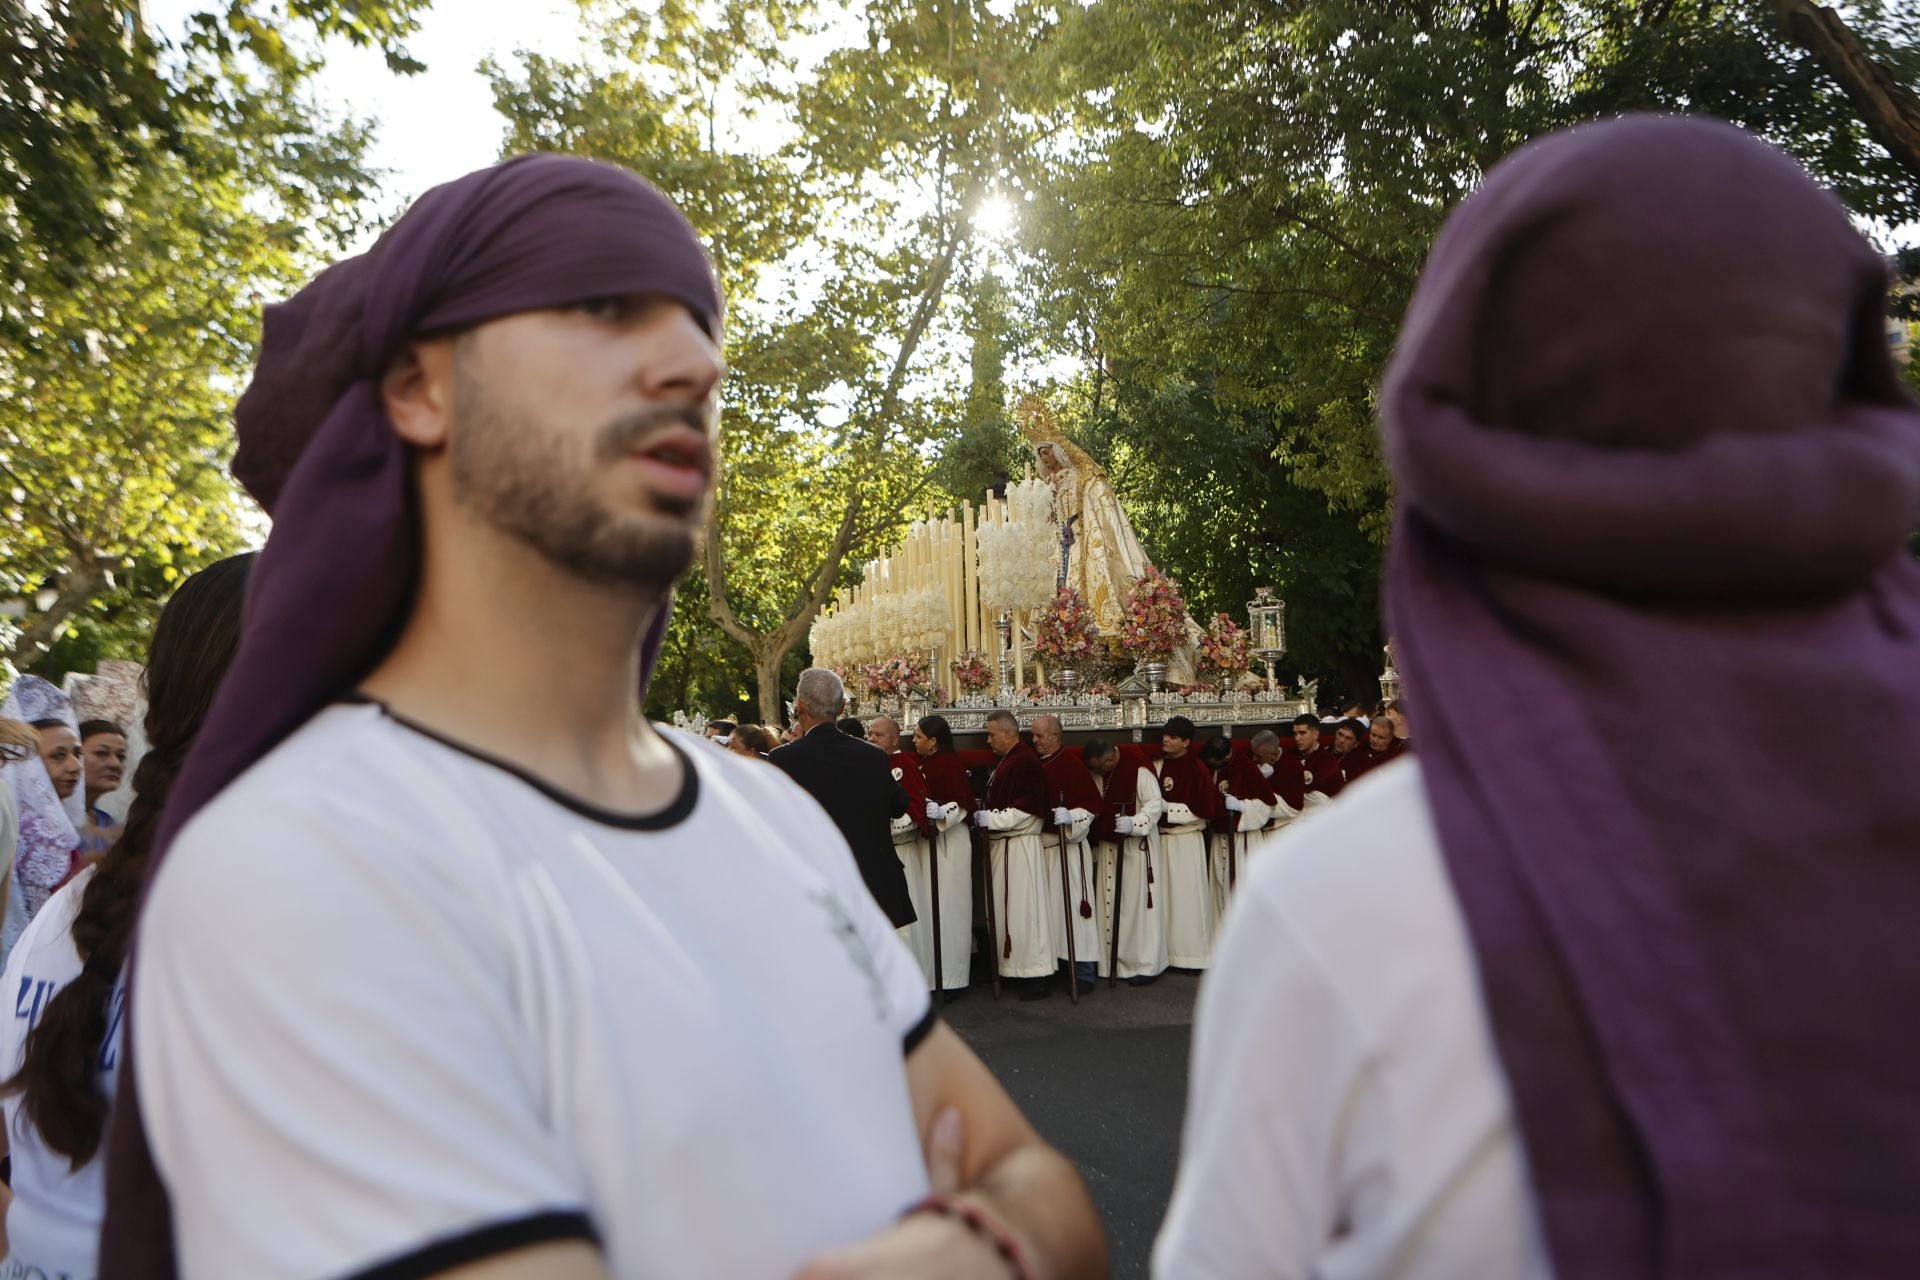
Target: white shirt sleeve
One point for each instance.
(336, 1051)
(1014, 820)
(1254, 816)
(1276, 1067)
(1149, 804)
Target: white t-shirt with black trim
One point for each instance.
(400, 1006)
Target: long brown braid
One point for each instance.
(192, 646)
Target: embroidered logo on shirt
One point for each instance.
(857, 949)
(897, 775)
(1166, 784)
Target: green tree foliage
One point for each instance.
(152, 194)
(1239, 200)
(90, 98)
(986, 450)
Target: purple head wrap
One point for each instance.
(331, 589)
(1657, 476)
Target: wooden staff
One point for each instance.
(985, 857)
(1066, 910)
(1119, 883)
(936, 838)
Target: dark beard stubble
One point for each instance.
(501, 470)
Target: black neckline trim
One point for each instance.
(919, 1031)
(676, 811)
(483, 1242)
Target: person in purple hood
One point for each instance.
(1590, 1009)
(450, 963)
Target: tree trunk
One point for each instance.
(771, 649)
(1889, 110)
(80, 581)
(767, 660)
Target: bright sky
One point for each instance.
(438, 124)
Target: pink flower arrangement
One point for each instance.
(899, 676)
(1153, 618)
(1226, 647)
(1065, 630)
(971, 672)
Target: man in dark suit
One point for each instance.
(854, 783)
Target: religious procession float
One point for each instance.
(1043, 600)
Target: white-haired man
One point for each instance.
(850, 779)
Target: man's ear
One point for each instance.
(417, 392)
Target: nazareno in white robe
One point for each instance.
(1190, 907)
(1143, 932)
(1020, 866)
(952, 854)
(1232, 849)
(1080, 887)
(914, 851)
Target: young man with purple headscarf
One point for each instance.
(452, 962)
(1588, 1010)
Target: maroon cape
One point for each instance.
(946, 780)
(1244, 782)
(1323, 767)
(908, 765)
(1020, 782)
(1355, 763)
(1188, 781)
(1069, 781)
(1290, 778)
(1120, 796)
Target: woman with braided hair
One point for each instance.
(63, 1041)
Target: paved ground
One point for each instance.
(1106, 1083)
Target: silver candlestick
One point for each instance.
(1267, 620)
(1005, 627)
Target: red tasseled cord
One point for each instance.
(1006, 902)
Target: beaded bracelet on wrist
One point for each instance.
(977, 1220)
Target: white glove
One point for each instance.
(1061, 817)
(1235, 805)
(934, 812)
(1123, 825)
(980, 818)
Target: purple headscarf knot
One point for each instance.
(1657, 476)
(331, 589)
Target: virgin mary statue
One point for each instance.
(1101, 553)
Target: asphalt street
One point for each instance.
(1105, 1082)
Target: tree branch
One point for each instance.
(80, 581)
(1352, 250)
(1888, 109)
